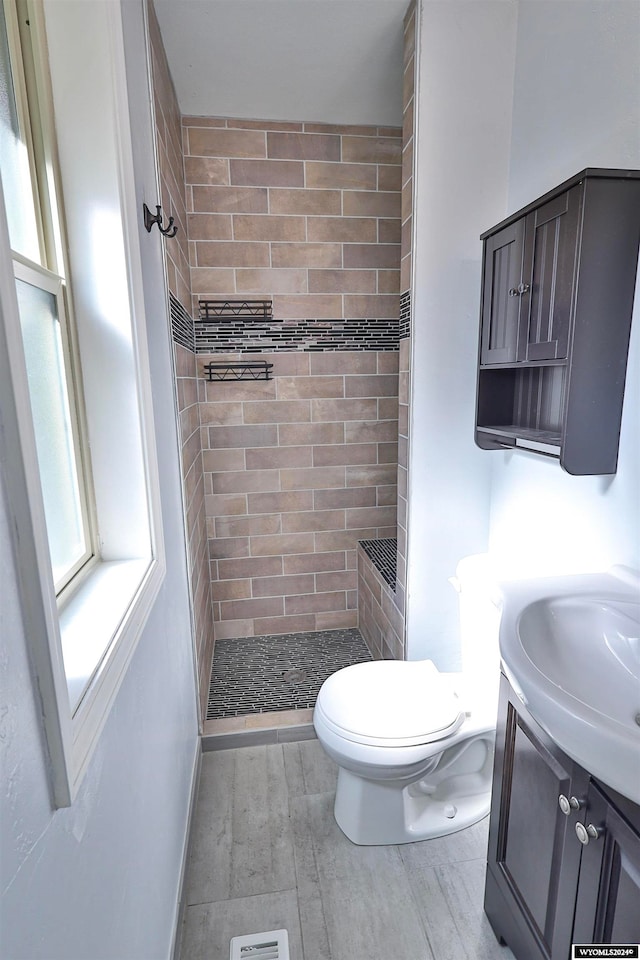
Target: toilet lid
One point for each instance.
(390, 703)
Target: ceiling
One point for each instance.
(328, 61)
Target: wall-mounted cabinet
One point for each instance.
(557, 299)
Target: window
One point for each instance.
(73, 365)
(34, 222)
(41, 308)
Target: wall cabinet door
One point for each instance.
(608, 903)
(528, 284)
(548, 277)
(500, 298)
(533, 853)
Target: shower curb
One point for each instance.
(286, 726)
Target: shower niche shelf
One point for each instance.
(557, 299)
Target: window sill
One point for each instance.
(92, 618)
(100, 627)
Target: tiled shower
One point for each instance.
(284, 476)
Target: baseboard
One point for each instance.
(181, 903)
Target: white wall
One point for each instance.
(576, 105)
(576, 92)
(100, 878)
(513, 99)
(332, 61)
(464, 100)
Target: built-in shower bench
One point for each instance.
(380, 620)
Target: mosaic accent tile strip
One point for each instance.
(384, 555)
(251, 335)
(263, 674)
(181, 324)
(405, 315)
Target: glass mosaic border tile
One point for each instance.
(284, 672)
(253, 335)
(256, 334)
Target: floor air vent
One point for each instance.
(272, 945)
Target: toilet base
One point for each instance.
(448, 799)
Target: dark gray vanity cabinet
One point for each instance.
(549, 885)
(557, 298)
(608, 903)
(533, 856)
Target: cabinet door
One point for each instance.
(549, 276)
(533, 858)
(502, 274)
(608, 904)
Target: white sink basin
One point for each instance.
(571, 647)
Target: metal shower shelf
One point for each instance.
(235, 309)
(260, 370)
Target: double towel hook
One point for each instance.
(149, 219)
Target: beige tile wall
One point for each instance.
(168, 136)
(404, 376)
(404, 383)
(193, 485)
(407, 144)
(297, 470)
(170, 166)
(308, 214)
(282, 479)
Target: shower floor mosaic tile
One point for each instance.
(263, 674)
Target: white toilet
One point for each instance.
(414, 746)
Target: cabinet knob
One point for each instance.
(585, 834)
(568, 804)
(513, 292)
(523, 288)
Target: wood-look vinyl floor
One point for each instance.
(266, 853)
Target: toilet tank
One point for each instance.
(477, 586)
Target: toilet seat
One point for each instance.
(389, 703)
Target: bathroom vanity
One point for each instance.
(564, 850)
(564, 839)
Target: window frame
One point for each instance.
(28, 63)
(19, 80)
(125, 580)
